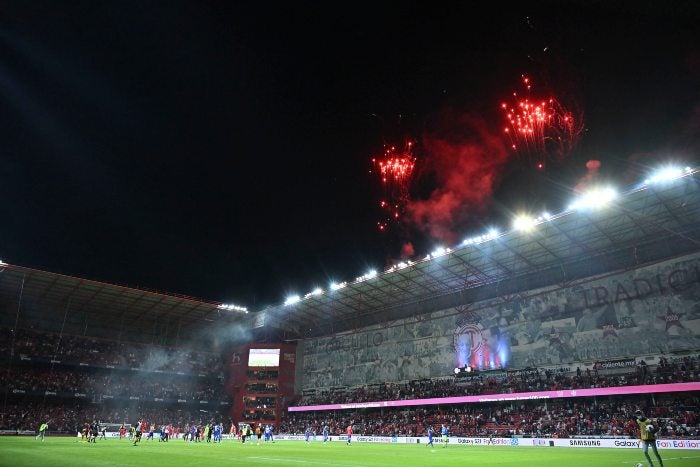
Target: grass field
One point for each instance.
(57, 451)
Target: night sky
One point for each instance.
(223, 149)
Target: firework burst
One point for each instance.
(395, 171)
(539, 129)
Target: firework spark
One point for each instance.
(395, 170)
(539, 129)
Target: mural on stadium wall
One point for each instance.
(655, 309)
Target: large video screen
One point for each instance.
(264, 357)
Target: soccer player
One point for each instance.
(325, 433)
(307, 434)
(85, 434)
(268, 433)
(444, 431)
(137, 435)
(647, 436)
(42, 431)
(348, 430)
(94, 432)
(430, 437)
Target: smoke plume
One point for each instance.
(467, 160)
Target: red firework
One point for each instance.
(540, 129)
(395, 170)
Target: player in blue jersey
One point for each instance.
(444, 431)
(430, 437)
(307, 434)
(268, 433)
(325, 434)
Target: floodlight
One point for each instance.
(292, 300)
(231, 307)
(666, 174)
(524, 223)
(440, 251)
(595, 198)
(338, 286)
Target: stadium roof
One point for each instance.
(649, 223)
(55, 302)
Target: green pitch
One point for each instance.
(57, 451)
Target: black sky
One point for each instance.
(222, 149)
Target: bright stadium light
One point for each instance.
(338, 285)
(463, 370)
(440, 251)
(316, 291)
(545, 216)
(292, 300)
(371, 274)
(595, 198)
(524, 223)
(667, 174)
(227, 307)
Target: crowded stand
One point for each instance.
(73, 380)
(669, 370)
(609, 416)
(600, 417)
(68, 349)
(27, 380)
(69, 419)
(46, 371)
